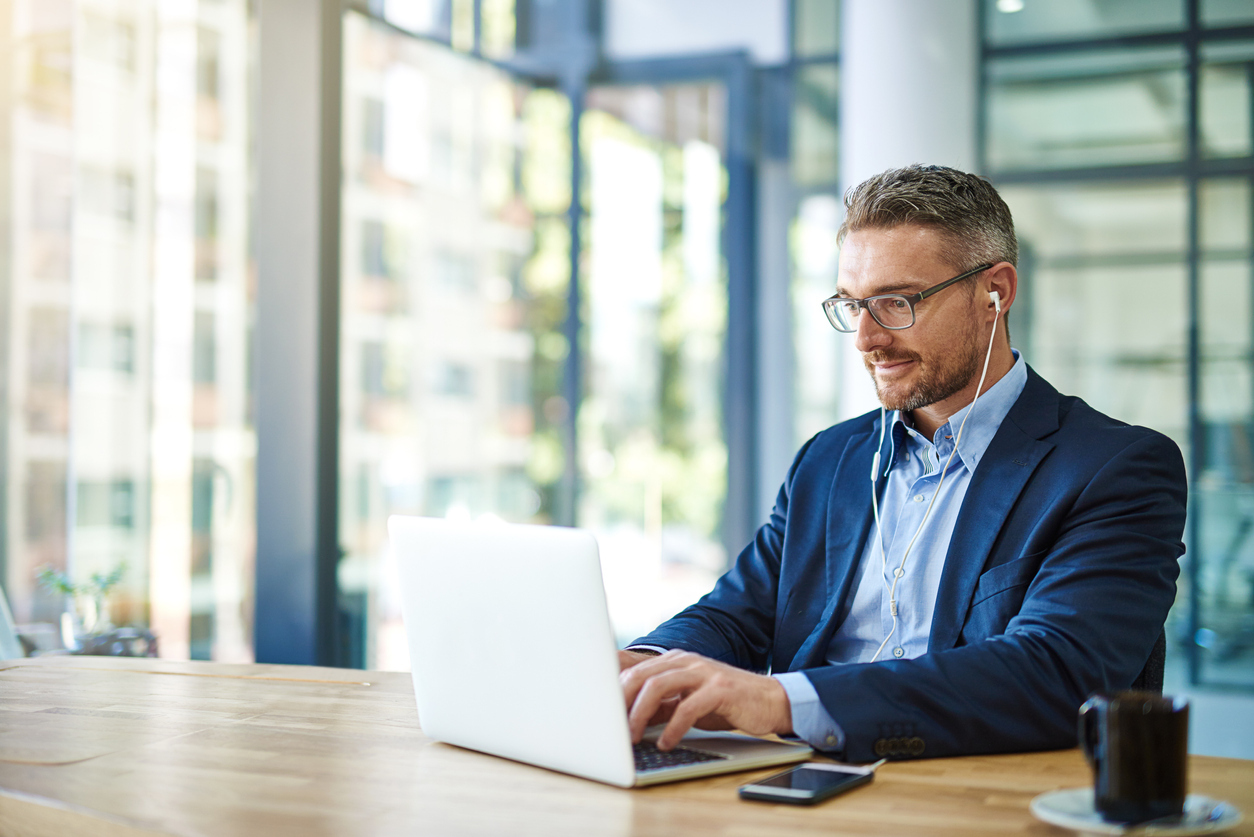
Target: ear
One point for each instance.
(1002, 279)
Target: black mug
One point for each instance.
(1137, 744)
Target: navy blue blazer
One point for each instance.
(1058, 579)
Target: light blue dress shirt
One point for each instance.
(913, 464)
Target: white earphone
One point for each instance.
(900, 572)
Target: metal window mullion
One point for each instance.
(740, 340)
(1149, 39)
(575, 88)
(8, 527)
(981, 92)
(1197, 455)
(328, 552)
(1249, 247)
(1177, 170)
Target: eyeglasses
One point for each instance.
(894, 311)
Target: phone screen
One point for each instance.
(806, 784)
(811, 779)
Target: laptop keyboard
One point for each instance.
(649, 757)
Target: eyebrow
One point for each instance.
(890, 289)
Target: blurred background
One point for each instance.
(273, 270)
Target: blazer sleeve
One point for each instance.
(1094, 605)
(735, 622)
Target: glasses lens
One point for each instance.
(842, 314)
(891, 311)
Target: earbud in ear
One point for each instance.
(996, 298)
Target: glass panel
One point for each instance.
(1084, 247)
(422, 17)
(128, 296)
(498, 25)
(454, 286)
(1227, 12)
(815, 138)
(1227, 91)
(1020, 21)
(462, 28)
(1224, 496)
(815, 27)
(652, 449)
(1225, 218)
(1087, 245)
(1108, 108)
(815, 342)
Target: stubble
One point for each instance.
(935, 381)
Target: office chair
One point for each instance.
(10, 645)
(1151, 677)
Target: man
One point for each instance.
(1027, 545)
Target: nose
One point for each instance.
(870, 335)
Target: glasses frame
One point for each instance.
(829, 304)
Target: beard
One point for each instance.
(934, 381)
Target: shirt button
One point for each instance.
(918, 498)
(831, 739)
(899, 652)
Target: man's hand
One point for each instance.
(689, 690)
(627, 659)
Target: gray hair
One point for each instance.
(973, 219)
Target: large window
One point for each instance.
(126, 296)
(815, 172)
(1103, 306)
(1129, 170)
(652, 445)
(454, 280)
(456, 341)
(1059, 111)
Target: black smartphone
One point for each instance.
(808, 784)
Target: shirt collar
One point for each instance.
(978, 434)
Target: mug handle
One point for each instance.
(1088, 732)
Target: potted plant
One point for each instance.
(86, 614)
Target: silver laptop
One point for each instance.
(512, 654)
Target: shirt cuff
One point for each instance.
(810, 721)
(656, 648)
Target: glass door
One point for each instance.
(456, 322)
(454, 273)
(652, 450)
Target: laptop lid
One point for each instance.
(510, 644)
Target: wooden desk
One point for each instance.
(126, 747)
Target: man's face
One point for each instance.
(941, 353)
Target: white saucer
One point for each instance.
(1073, 808)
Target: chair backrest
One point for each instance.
(10, 645)
(1151, 677)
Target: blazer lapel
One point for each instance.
(1010, 460)
(849, 521)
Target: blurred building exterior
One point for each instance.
(127, 310)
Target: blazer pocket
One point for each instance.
(1007, 576)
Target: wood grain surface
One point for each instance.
(127, 747)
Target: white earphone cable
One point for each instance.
(879, 535)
